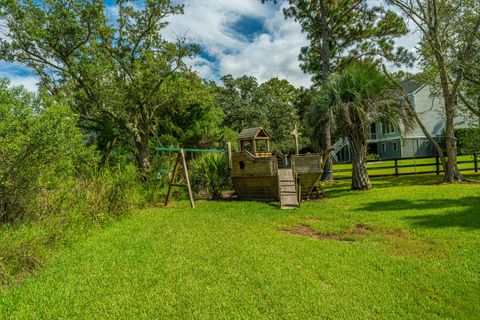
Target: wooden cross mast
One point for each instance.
(296, 134)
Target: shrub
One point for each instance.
(468, 140)
(373, 157)
(211, 174)
(40, 147)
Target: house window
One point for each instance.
(395, 146)
(388, 128)
(384, 147)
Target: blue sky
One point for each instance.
(236, 37)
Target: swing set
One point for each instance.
(180, 166)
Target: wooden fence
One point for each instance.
(407, 166)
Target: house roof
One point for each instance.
(253, 133)
(410, 85)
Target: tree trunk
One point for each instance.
(325, 55)
(451, 169)
(142, 153)
(327, 174)
(360, 178)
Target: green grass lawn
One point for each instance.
(417, 166)
(399, 251)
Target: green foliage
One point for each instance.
(40, 146)
(128, 84)
(373, 156)
(279, 98)
(468, 140)
(240, 100)
(353, 99)
(358, 96)
(211, 173)
(271, 105)
(66, 213)
(346, 30)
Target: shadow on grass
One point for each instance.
(463, 212)
(339, 188)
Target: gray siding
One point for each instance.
(390, 149)
(417, 148)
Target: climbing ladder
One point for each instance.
(287, 189)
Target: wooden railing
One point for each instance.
(407, 166)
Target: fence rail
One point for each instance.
(403, 166)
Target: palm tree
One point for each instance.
(355, 98)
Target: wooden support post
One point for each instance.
(437, 164)
(296, 134)
(396, 167)
(229, 154)
(172, 180)
(187, 179)
(180, 161)
(475, 161)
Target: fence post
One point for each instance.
(437, 164)
(475, 161)
(396, 167)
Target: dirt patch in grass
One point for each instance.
(307, 231)
(360, 229)
(401, 242)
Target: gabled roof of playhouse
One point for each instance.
(253, 133)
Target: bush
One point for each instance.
(211, 174)
(40, 147)
(373, 157)
(468, 140)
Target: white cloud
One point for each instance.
(19, 75)
(29, 82)
(204, 68)
(273, 53)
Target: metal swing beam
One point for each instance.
(190, 150)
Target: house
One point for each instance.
(388, 143)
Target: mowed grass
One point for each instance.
(405, 166)
(408, 249)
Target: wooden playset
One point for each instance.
(261, 174)
(257, 172)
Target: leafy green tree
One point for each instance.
(240, 101)
(271, 105)
(342, 31)
(279, 99)
(121, 71)
(356, 97)
(470, 88)
(450, 32)
(40, 146)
